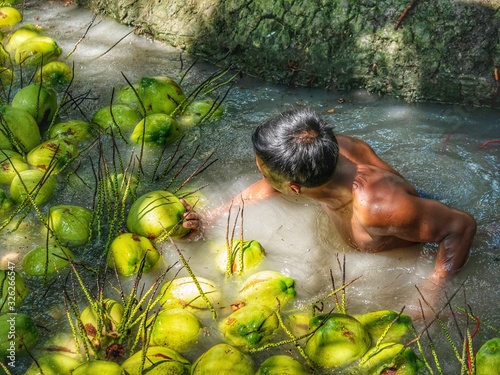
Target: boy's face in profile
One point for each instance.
(273, 179)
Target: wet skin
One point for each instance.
(375, 209)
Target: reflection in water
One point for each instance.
(435, 147)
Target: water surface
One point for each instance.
(436, 147)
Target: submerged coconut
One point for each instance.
(117, 117)
(102, 318)
(395, 357)
(34, 182)
(282, 365)
(74, 131)
(158, 360)
(18, 36)
(386, 325)
(46, 260)
(25, 338)
(53, 364)
(156, 129)
(20, 132)
(176, 328)
(156, 214)
(488, 358)
(9, 16)
(71, 224)
(266, 288)
(160, 94)
(38, 50)
(250, 326)
(54, 73)
(39, 100)
(183, 292)
(13, 290)
(338, 340)
(223, 359)
(130, 253)
(98, 366)
(11, 163)
(198, 111)
(53, 155)
(244, 255)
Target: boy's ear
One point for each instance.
(295, 188)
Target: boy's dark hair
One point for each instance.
(299, 146)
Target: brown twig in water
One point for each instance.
(436, 314)
(82, 37)
(114, 45)
(403, 15)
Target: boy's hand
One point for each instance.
(192, 220)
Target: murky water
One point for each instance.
(436, 147)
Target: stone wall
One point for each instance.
(440, 51)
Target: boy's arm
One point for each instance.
(424, 220)
(258, 191)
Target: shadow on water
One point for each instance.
(431, 55)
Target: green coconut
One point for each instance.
(338, 340)
(37, 51)
(159, 360)
(160, 94)
(70, 224)
(13, 291)
(6, 76)
(390, 356)
(177, 328)
(387, 323)
(156, 129)
(97, 367)
(18, 129)
(130, 254)
(9, 16)
(121, 185)
(193, 197)
(102, 318)
(4, 59)
(198, 111)
(488, 358)
(46, 260)
(11, 163)
(266, 288)
(117, 117)
(282, 365)
(297, 321)
(53, 364)
(60, 342)
(35, 183)
(156, 214)
(53, 155)
(74, 131)
(54, 74)
(39, 100)
(128, 95)
(223, 359)
(18, 334)
(9, 2)
(244, 256)
(23, 33)
(183, 292)
(6, 204)
(250, 326)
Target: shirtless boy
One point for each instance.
(371, 205)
